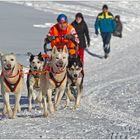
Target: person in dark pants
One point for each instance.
(83, 33)
(119, 27)
(107, 25)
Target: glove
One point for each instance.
(69, 37)
(49, 38)
(96, 32)
(88, 44)
(45, 40)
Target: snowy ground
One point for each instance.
(110, 106)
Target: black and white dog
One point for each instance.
(33, 79)
(75, 79)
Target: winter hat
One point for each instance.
(117, 16)
(79, 15)
(105, 6)
(62, 18)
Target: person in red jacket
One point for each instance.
(62, 34)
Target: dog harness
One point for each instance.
(57, 84)
(36, 77)
(36, 85)
(12, 87)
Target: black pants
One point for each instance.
(106, 42)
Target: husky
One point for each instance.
(33, 79)
(55, 79)
(75, 81)
(11, 81)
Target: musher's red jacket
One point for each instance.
(60, 42)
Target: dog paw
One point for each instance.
(66, 105)
(45, 114)
(75, 107)
(10, 114)
(13, 117)
(55, 107)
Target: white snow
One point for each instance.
(110, 106)
(43, 25)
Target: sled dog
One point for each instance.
(75, 81)
(33, 79)
(11, 81)
(55, 79)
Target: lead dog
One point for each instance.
(55, 79)
(33, 79)
(11, 81)
(75, 79)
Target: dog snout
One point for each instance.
(61, 62)
(9, 65)
(35, 67)
(75, 75)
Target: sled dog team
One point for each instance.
(56, 78)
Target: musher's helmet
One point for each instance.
(62, 18)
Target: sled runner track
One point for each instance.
(97, 88)
(109, 113)
(103, 107)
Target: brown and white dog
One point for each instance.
(11, 81)
(55, 79)
(33, 79)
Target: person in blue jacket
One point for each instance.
(107, 25)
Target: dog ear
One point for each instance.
(1, 54)
(31, 57)
(40, 55)
(65, 49)
(54, 50)
(29, 54)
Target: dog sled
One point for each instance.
(49, 49)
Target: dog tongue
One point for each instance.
(8, 71)
(61, 68)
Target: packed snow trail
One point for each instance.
(110, 106)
